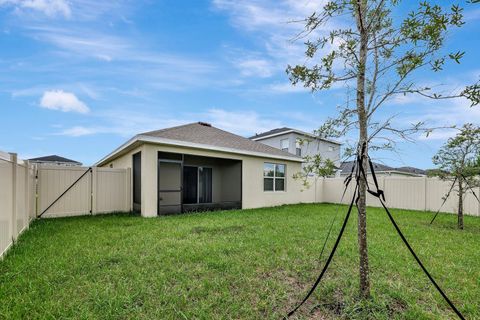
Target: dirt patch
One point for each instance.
(296, 291)
(397, 306)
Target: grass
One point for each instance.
(244, 264)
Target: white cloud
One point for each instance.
(127, 123)
(124, 55)
(287, 88)
(79, 131)
(50, 8)
(244, 123)
(275, 24)
(442, 134)
(255, 67)
(63, 101)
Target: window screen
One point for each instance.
(197, 185)
(190, 184)
(137, 178)
(204, 185)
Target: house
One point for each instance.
(55, 161)
(300, 143)
(199, 167)
(380, 169)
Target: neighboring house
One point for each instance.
(197, 166)
(290, 140)
(380, 169)
(55, 160)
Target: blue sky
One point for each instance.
(80, 77)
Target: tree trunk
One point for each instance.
(363, 138)
(460, 203)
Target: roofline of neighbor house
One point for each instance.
(171, 142)
(295, 131)
(55, 161)
(419, 175)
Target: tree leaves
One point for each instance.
(460, 156)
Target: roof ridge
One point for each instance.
(172, 131)
(166, 129)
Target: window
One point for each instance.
(190, 184)
(204, 185)
(273, 177)
(197, 185)
(284, 145)
(298, 148)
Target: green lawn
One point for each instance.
(245, 264)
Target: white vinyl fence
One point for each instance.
(28, 191)
(17, 198)
(94, 191)
(422, 193)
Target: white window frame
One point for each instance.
(298, 147)
(288, 144)
(274, 177)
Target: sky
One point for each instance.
(80, 77)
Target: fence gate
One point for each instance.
(72, 191)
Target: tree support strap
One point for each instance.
(380, 195)
(471, 188)
(339, 237)
(64, 192)
(346, 182)
(444, 200)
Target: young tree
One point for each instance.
(315, 166)
(457, 161)
(373, 53)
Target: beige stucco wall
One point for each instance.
(252, 192)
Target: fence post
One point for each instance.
(27, 193)
(384, 185)
(321, 195)
(13, 159)
(425, 193)
(478, 203)
(93, 190)
(36, 181)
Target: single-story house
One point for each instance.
(54, 160)
(199, 167)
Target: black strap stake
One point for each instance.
(381, 196)
(444, 200)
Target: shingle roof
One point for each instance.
(280, 131)
(346, 167)
(270, 132)
(411, 170)
(54, 158)
(204, 133)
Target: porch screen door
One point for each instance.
(169, 187)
